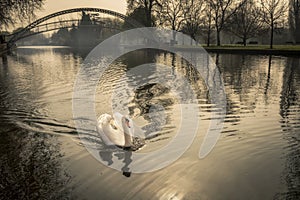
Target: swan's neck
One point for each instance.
(128, 140)
(127, 136)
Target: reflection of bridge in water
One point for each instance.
(41, 25)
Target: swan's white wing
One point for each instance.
(138, 132)
(104, 118)
(103, 136)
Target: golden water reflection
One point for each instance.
(257, 156)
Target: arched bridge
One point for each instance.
(38, 23)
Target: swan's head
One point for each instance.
(128, 131)
(126, 121)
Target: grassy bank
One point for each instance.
(293, 50)
(255, 47)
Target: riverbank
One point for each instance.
(285, 50)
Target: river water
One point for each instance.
(256, 157)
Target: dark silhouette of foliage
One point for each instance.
(150, 6)
(138, 14)
(13, 11)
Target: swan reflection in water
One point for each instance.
(118, 133)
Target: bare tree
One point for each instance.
(172, 15)
(246, 22)
(207, 21)
(272, 11)
(149, 5)
(13, 11)
(294, 19)
(222, 11)
(193, 15)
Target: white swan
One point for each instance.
(115, 130)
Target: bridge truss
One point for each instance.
(37, 26)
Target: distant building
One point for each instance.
(88, 31)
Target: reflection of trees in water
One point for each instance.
(30, 162)
(234, 68)
(30, 166)
(247, 77)
(138, 57)
(148, 95)
(158, 89)
(268, 76)
(188, 72)
(192, 75)
(239, 74)
(289, 107)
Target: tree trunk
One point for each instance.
(209, 29)
(272, 35)
(218, 37)
(174, 35)
(208, 35)
(173, 42)
(297, 31)
(244, 41)
(297, 22)
(149, 18)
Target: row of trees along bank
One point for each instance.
(243, 18)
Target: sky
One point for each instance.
(52, 6)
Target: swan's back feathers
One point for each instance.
(113, 131)
(110, 134)
(104, 119)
